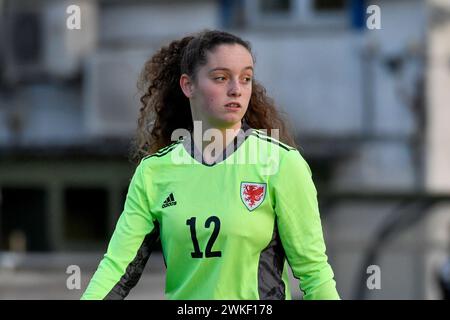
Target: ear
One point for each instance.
(187, 85)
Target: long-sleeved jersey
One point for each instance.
(228, 230)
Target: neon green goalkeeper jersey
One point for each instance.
(228, 230)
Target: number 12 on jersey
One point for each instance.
(208, 253)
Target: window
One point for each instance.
(23, 220)
(26, 38)
(86, 214)
(329, 5)
(296, 13)
(275, 6)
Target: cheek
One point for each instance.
(248, 92)
(212, 94)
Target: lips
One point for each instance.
(233, 105)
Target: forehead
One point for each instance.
(231, 56)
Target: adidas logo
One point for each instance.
(170, 201)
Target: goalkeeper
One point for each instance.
(219, 182)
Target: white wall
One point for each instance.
(64, 49)
(316, 80)
(49, 115)
(140, 22)
(438, 99)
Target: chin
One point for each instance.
(228, 123)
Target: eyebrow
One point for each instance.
(226, 69)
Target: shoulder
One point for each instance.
(161, 155)
(287, 158)
(290, 158)
(261, 136)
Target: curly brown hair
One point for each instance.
(165, 107)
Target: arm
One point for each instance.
(129, 247)
(300, 228)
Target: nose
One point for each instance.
(234, 89)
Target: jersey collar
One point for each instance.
(192, 150)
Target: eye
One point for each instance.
(247, 79)
(219, 78)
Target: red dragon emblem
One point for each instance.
(252, 194)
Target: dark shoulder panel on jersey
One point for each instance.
(270, 269)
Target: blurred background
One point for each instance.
(370, 108)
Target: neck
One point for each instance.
(212, 141)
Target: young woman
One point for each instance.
(232, 205)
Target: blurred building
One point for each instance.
(369, 110)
